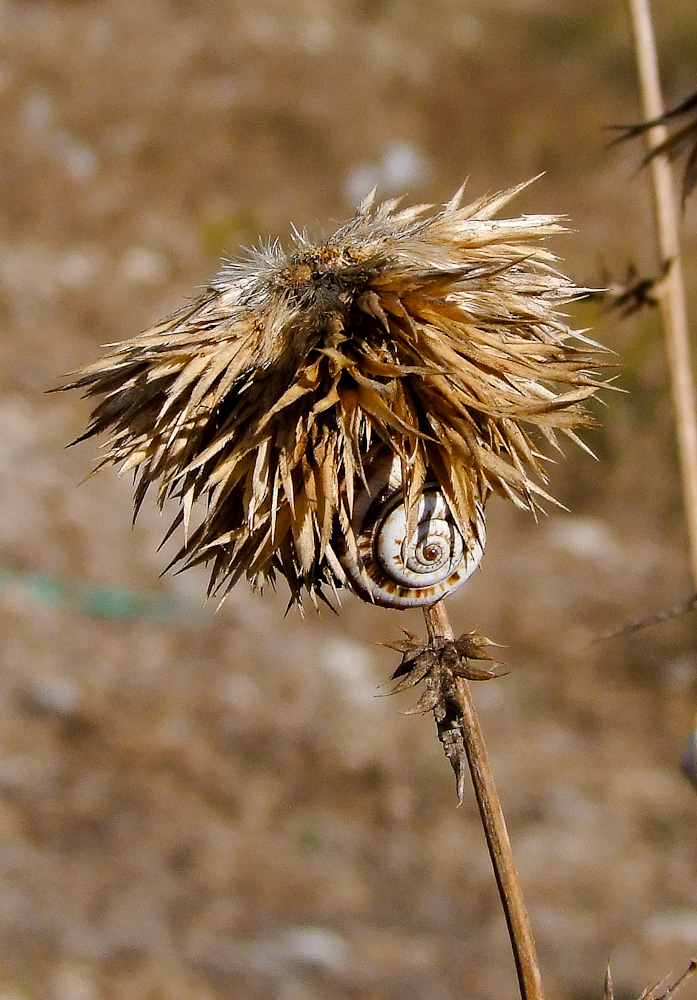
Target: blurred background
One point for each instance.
(205, 805)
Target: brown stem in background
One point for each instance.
(671, 291)
(493, 821)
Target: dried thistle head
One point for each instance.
(431, 336)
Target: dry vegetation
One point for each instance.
(209, 805)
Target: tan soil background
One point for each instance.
(201, 805)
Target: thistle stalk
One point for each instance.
(493, 822)
(671, 291)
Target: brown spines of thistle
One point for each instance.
(436, 335)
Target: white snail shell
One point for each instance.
(389, 570)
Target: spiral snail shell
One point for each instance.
(389, 570)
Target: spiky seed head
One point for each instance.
(434, 333)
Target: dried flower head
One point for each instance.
(431, 335)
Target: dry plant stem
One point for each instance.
(671, 292)
(494, 824)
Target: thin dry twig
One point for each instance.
(460, 719)
(647, 620)
(654, 993)
(671, 291)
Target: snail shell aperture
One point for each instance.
(390, 570)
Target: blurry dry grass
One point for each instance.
(157, 842)
(671, 297)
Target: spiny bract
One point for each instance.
(433, 334)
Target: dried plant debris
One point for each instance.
(420, 661)
(434, 337)
(684, 138)
(662, 992)
(658, 992)
(631, 294)
(441, 663)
